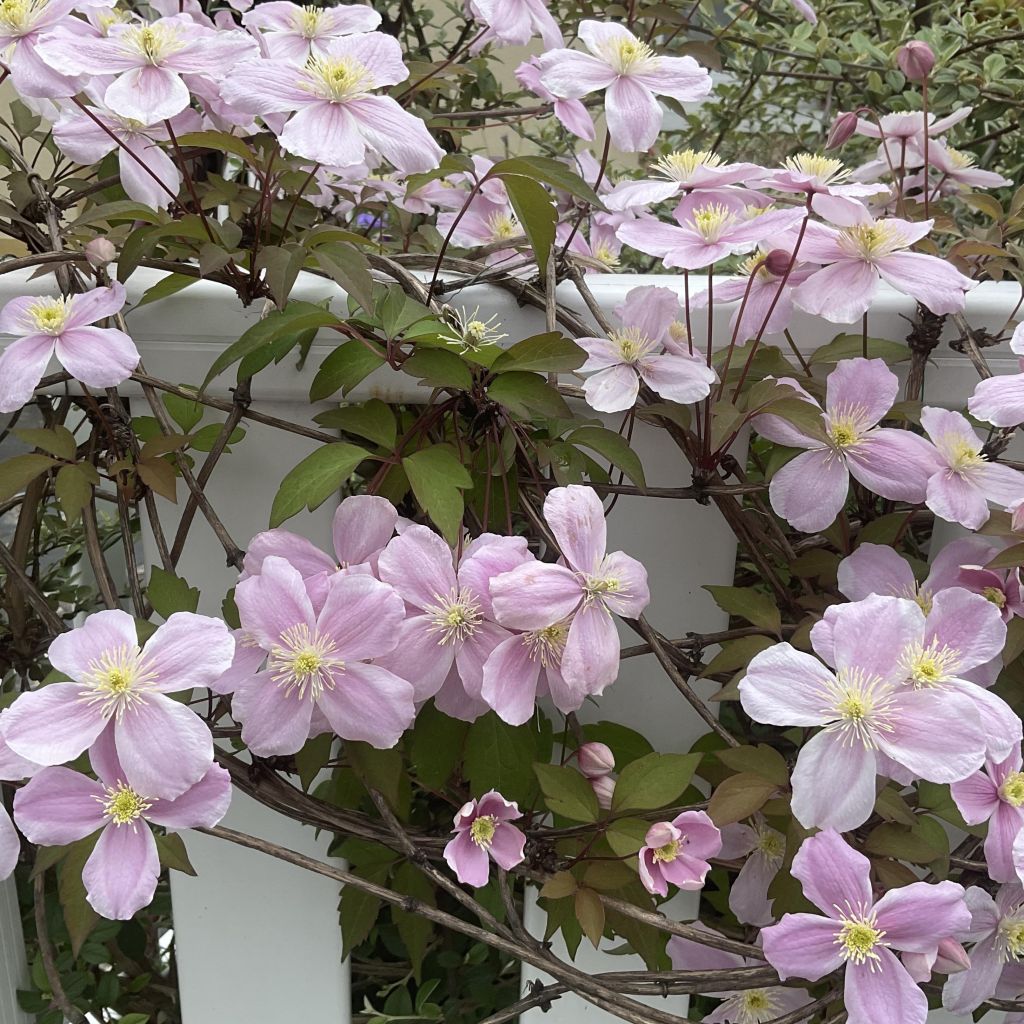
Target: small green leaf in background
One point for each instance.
(373, 420)
(738, 797)
(614, 448)
(501, 756)
(567, 792)
(169, 593)
(535, 209)
(73, 488)
(543, 353)
(57, 441)
(438, 478)
(528, 395)
(653, 781)
(439, 369)
(748, 603)
(590, 914)
(315, 479)
(173, 855)
(348, 365)
(761, 760)
(17, 473)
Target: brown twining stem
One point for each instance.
(48, 956)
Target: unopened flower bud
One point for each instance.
(595, 760)
(99, 252)
(915, 60)
(952, 958)
(842, 128)
(604, 789)
(777, 262)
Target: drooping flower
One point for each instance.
(909, 125)
(643, 350)
(337, 120)
(810, 491)
(745, 1006)
(589, 587)
(295, 33)
(960, 167)
(860, 933)
(572, 113)
(12, 769)
(867, 251)
(324, 659)
(101, 357)
(163, 745)
(866, 710)
(705, 234)
(961, 490)
(515, 23)
(450, 629)
(677, 852)
(764, 848)
(484, 832)
(1000, 400)
(633, 76)
(23, 24)
(997, 931)
(60, 806)
(149, 60)
(823, 179)
(995, 795)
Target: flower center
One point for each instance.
(454, 617)
(756, 1006)
(482, 830)
(963, 454)
(858, 938)
(843, 434)
(503, 226)
(152, 42)
(1012, 789)
(337, 78)
(960, 159)
(122, 804)
(18, 16)
(548, 644)
(304, 662)
(118, 681)
(629, 55)
(755, 264)
(771, 844)
(667, 853)
(680, 165)
(48, 315)
(471, 333)
(823, 170)
(931, 665)
(711, 221)
(307, 21)
(605, 254)
(871, 241)
(631, 343)
(995, 595)
(595, 587)
(859, 705)
(1011, 931)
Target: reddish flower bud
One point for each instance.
(99, 252)
(777, 262)
(842, 128)
(952, 958)
(604, 789)
(595, 760)
(915, 60)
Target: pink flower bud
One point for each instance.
(777, 262)
(99, 252)
(915, 60)
(604, 788)
(842, 128)
(952, 958)
(595, 760)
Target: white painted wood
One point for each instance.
(13, 969)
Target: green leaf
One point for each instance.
(380, 770)
(313, 757)
(373, 420)
(435, 746)
(185, 412)
(164, 288)
(57, 441)
(437, 478)
(500, 756)
(17, 473)
(756, 607)
(169, 593)
(627, 835)
(143, 240)
(535, 209)
(921, 844)
(315, 479)
(527, 395)
(567, 792)
(222, 142)
(344, 368)
(349, 269)
(551, 172)
(359, 910)
(73, 488)
(173, 855)
(544, 353)
(414, 930)
(653, 781)
(614, 448)
(280, 265)
(761, 760)
(590, 914)
(850, 346)
(738, 797)
(121, 209)
(1012, 557)
(439, 369)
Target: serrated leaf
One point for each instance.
(344, 368)
(590, 914)
(738, 797)
(750, 604)
(373, 420)
(543, 353)
(359, 911)
(315, 479)
(169, 593)
(653, 781)
(614, 448)
(501, 756)
(567, 792)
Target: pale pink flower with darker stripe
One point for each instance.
(484, 832)
(677, 852)
(995, 795)
(294, 32)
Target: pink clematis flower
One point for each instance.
(746, 1006)
(338, 122)
(572, 113)
(163, 745)
(810, 491)
(823, 180)
(101, 357)
(633, 76)
(515, 23)
(295, 33)
(450, 630)
(867, 251)
(12, 769)
(643, 349)
(995, 795)
(997, 931)
(866, 710)
(907, 126)
(861, 933)
(705, 234)
(589, 585)
(678, 851)
(484, 832)
(22, 27)
(61, 806)
(959, 167)
(961, 490)
(320, 660)
(1000, 400)
(149, 60)
(764, 848)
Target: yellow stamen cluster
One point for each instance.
(1011, 934)
(770, 843)
(17, 17)
(303, 661)
(756, 1006)
(871, 241)
(470, 333)
(337, 78)
(504, 226)
(681, 165)
(860, 707)
(632, 343)
(995, 595)
(959, 159)
(153, 42)
(712, 220)
(482, 830)
(1012, 789)
(931, 665)
(858, 938)
(667, 853)
(123, 805)
(605, 254)
(627, 56)
(962, 453)
(48, 315)
(307, 21)
(455, 617)
(823, 169)
(118, 681)
(548, 644)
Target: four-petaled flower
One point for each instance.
(484, 832)
(677, 852)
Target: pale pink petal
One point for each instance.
(748, 896)
(652, 236)
(76, 652)
(326, 133)
(810, 491)
(613, 389)
(304, 555)
(273, 721)
(273, 602)
(965, 992)
(147, 94)
(915, 916)
(363, 524)
(651, 310)
(370, 704)
(631, 594)
(689, 955)
(361, 616)
(418, 564)
(802, 946)
(266, 87)
(893, 623)
(976, 797)
(784, 686)
(506, 849)
(419, 656)
(997, 400)
(576, 118)
(932, 281)
(863, 388)
(1002, 485)
(484, 559)
(472, 654)
(840, 292)
(628, 195)
(54, 724)
(835, 877)
(882, 990)
(633, 115)
(895, 464)
(571, 75)
(875, 569)
(576, 517)
(96, 304)
(188, 650)
(143, 183)
(121, 873)
(469, 861)
(535, 595)
(247, 661)
(591, 658)
(833, 783)
(954, 497)
(202, 805)
(678, 378)
(968, 624)
(1004, 827)
(101, 357)
(10, 844)
(22, 365)
(682, 78)
(510, 679)
(398, 136)
(1000, 725)
(59, 806)
(453, 701)
(601, 354)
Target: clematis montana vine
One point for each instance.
(1000, 400)
(163, 746)
(861, 933)
(101, 357)
(60, 806)
(677, 852)
(484, 832)
(295, 33)
(995, 795)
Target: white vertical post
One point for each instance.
(13, 970)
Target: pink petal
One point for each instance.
(681, 78)
(576, 517)
(361, 615)
(76, 652)
(326, 133)
(954, 497)
(10, 844)
(97, 304)
(487, 557)
(52, 725)
(632, 593)
(678, 378)
(968, 624)
(932, 281)
(784, 686)
(748, 896)
(418, 564)
(535, 595)
(266, 87)
(916, 916)
(59, 806)
(840, 292)
(273, 721)
(802, 946)
(1002, 485)
(370, 704)
(613, 389)
(633, 115)
(506, 849)
(22, 365)
(652, 237)
(147, 94)
(1004, 826)
(875, 569)
(864, 388)
(810, 491)
(963, 993)
(651, 310)
(202, 805)
(835, 877)
(471, 655)
(895, 464)
(273, 602)
(363, 524)
(883, 991)
(998, 400)
(999, 723)
(892, 623)
(121, 873)
(419, 656)
(571, 75)
(247, 661)
(510, 679)
(402, 139)
(833, 783)
(304, 555)
(188, 650)
(469, 861)
(976, 797)
(591, 658)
